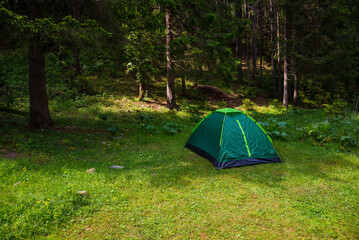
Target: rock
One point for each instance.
(69, 128)
(17, 184)
(83, 193)
(116, 167)
(11, 155)
(91, 170)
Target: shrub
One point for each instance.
(251, 92)
(337, 108)
(172, 128)
(248, 104)
(222, 104)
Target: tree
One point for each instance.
(253, 17)
(35, 19)
(171, 96)
(278, 13)
(272, 45)
(143, 44)
(239, 46)
(39, 109)
(245, 7)
(285, 64)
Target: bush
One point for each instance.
(172, 128)
(251, 92)
(86, 84)
(337, 108)
(248, 104)
(223, 104)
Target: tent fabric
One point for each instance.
(230, 138)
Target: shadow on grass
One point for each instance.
(86, 142)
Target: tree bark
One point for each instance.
(295, 69)
(239, 44)
(183, 79)
(39, 109)
(272, 32)
(141, 91)
(295, 90)
(171, 97)
(254, 40)
(279, 90)
(260, 17)
(285, 65)
(246, 47)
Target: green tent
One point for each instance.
(230, 138)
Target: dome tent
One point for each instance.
(230, 138)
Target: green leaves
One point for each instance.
(47, 25)
(172, 128)
(282, 124)
(315, 127)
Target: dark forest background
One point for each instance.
(303, 53)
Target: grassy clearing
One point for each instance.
(166, 191)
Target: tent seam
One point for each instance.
(245, 139)
(224, 119)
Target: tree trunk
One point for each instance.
(77, 60)
(279, 90)
(196, 73)
(272, 30)
(295, 68)
(285, 66)
(171, 99)
(295, 90)
(141, 91)
(183, 86)
(254, 40)
(39, 109)
(239, 45)
(246, 47)
(260, 17)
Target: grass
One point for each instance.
(164, 190)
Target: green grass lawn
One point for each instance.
(165, 191)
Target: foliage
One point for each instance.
(247, 104)
(172, 128)
(251, 92)
(149, 124)
(317, 128)
(337, 108)
(13, 78)
(222, 104)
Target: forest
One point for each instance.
(300, 52)
(88, 84)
